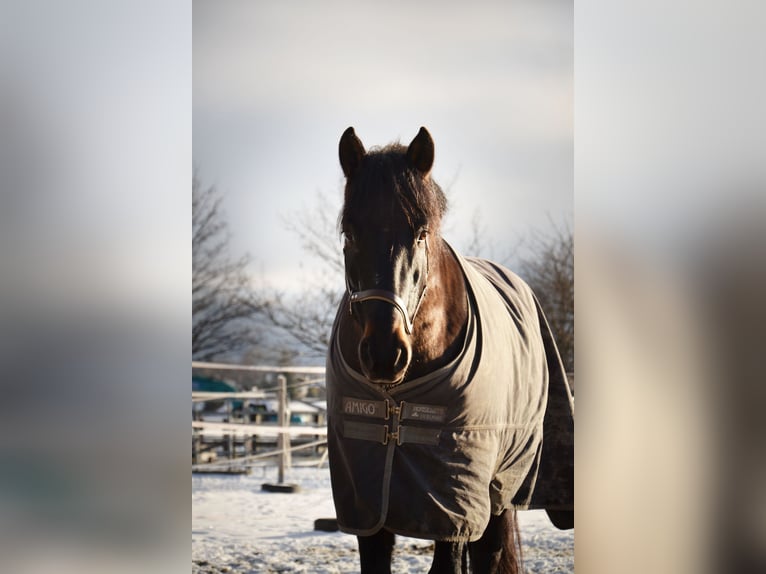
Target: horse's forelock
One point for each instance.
(385, 173)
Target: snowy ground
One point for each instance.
(238, 528)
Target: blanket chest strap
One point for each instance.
(401, 434)
(366, 431)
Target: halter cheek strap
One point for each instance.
(389, 297)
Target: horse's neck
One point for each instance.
(440, 325)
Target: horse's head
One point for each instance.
(391, 208)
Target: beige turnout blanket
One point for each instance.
(494, 429)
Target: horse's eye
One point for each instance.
(348, 236)
(422, 235)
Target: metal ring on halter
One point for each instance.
(389, 297)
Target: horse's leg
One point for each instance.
(375, 552)
(498, 551)
(449, 558)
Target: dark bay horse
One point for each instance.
(440, 378)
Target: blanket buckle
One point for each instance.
(391, 435)
(394, 410)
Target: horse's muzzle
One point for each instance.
(385, 358)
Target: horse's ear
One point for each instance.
(351, 152)
(420, 154)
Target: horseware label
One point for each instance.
(364, 408)
(428, 413)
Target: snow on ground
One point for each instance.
(238, 528)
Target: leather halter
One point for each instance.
(389, 297)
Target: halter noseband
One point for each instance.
(389, 297)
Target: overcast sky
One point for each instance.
(276, 83)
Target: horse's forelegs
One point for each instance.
(375, 552)
(449, 558)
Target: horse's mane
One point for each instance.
(385, 185)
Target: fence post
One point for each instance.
(196, 446)
(230, 447)
(284, 420)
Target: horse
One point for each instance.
(448, 405)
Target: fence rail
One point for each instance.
(245, 429)
(247, 434)
(258, 368)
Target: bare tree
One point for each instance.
(477, 245)
(549, 270)
(307, 316)
(222, 302)
(317, 229)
